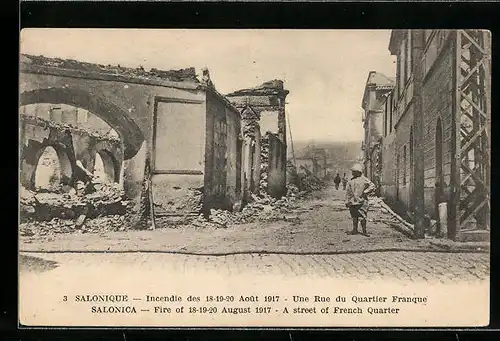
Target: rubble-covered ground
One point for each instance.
(314, 222)
(97, 207)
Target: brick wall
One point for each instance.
(403, 168)
(437, 104)
(233, 179)
(388, 174)
(221, 160)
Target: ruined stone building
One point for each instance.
(436, 126)
(264, 126)
(91, 140)
(376, 87)
(171, 135)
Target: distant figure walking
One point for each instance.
(358, 189)
(344, 181)
(336, 181)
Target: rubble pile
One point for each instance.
(57, 225)
(262, 207)
(92, 208)
(308, 182)
(104, 199)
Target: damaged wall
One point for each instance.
(178, 155)
(71, 144)
(222, 165)
(267, 101)
(174, 127)
(276, 178)
(36, 135)
(123, 98)
(251, 152)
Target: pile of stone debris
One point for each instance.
(57, 225)
(94, 208)
(262, 207)
(308, 182)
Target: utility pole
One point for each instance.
(291, 141)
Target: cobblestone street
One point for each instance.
(315, 244)
(404, 266)
(319, 223)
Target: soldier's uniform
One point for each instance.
(357, 191)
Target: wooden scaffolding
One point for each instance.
(470, 206)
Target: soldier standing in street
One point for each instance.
(358, 189)
(336, 181)
(344, 182)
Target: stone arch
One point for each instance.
(111, 159)
(112, 114)
(108, 165)
(31, 158)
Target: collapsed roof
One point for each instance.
(188, 74)
(273, 87)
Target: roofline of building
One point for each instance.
(395, 40)
(371, 86)
(71, 73)
(109, 73)
(261, 90)
(213, 90)
(246, 92)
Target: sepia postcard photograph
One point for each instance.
(180, 178)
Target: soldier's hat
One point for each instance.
(357, 168)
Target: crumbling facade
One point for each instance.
(267, 104)
(177, 148)
(436, 129)
(251, 163)
(45, 125)
(376, 87)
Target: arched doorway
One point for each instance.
(52, 169)
(439, 178)
(105, 167)
(48, 170)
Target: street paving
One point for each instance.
(403, 266)
(318, 223)
(314, 243)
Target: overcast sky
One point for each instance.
(324, 70)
